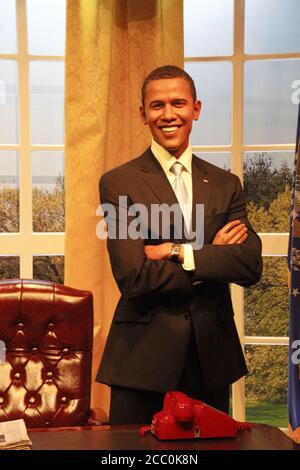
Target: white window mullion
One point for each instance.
(267, 340)
(274, 243)
(238, 388)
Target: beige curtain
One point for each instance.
(111, 46)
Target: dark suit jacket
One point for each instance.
(148, 339)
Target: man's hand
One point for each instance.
(234, 232)
(158, 252)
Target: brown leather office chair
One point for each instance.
(47, 330)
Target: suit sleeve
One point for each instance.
(240, 264)
(135, 275)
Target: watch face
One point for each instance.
(175, 252)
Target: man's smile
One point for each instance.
(169, 129)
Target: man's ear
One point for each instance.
(197, 109)
(143, 115)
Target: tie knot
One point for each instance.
(177, 168)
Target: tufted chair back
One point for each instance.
(47, 330)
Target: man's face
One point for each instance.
(169, 111)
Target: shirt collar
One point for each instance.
(167, 160)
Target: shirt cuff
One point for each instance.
(188, 258)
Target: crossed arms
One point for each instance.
(234, 254)
(234, 232)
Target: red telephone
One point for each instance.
(185, 418)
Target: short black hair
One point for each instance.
(168, 71)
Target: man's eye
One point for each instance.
(156, 106)
(179, 104)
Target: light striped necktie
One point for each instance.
(182, 194)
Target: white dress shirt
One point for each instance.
(166, 161)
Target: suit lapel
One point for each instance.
(156, 179)
(158, 183)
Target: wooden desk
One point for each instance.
(260, 437)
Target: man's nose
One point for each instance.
(168, 113)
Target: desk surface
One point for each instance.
(259, 437)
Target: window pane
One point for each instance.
(8, 102)
(214, 125)
(272, 26)
(8, 38)
(47, 102)
(46, 26)
(271, 94)
(49, 268)
(267, 184)
(48, 191)
(266, 385)
(208, 28)
(9, 267)
(267, 303)
(220, 159)
(9, 191)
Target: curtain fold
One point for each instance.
(111, 46)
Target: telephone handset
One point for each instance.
(185, 418)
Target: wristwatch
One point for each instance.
(175, 252)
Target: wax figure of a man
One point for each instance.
(173, 328)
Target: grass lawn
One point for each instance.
(268, 413)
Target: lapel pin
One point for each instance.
(205, 180)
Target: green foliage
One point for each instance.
(274, 219)
(259, 217)
(268, 194)
(262, 183)
(267, 314)
(9, 267)
(48, 208)
(267, 303)
(49, 268)
(267, 380)
(280, 210)
(9, 209)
